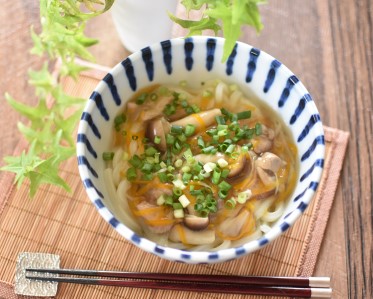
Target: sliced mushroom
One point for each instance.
(199, 120)
(158, 127)
(238, 165)
(241, 170)
(180, 233)
(152, 213)
(269, 161)
(265, 194)
(196, 223)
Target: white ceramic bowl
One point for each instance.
(198, 59)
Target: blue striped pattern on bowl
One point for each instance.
(197, 59)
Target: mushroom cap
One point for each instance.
(158, 127)
(196, 223)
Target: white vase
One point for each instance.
(141, 23)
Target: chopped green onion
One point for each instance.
(151, 151)
(170, 177)
(209, 166)
(118, 121)
(216, 176)
(206, 93)
(222, 162)
(179, 213)
(131, 174)
(177, 191)
(184, 103)
(244, 148)
(157, 139)
(224, 173)
(135, 161)
(195, 108)
(200, 142)
(175, 129)
(235, 155)
(226, 113)
(107, 156)
(222, 194)
(244, 114)
(223, 132)
(242, 197)
(147, 176)
(185, 168)
(220, 120)
(153, 96)
(207, 150)
(204, 174)
(147, 168)
(225, 186)
(184, 201)
(230, 149)
(188, 154)
(197, 168)
(189, 130)
(145, 140)
(178, 163)
(135, 137)
(150, 160)
(163, 177)
(169, 109)
(230, 203)
(177, 206)
(222, 127)
(186, 177)
(211, 132)
(223, 147)
(168, 200)
(141, 98)
(170, 139)
(161, 200)
(213, 151)
(179, 184)
(258, 129)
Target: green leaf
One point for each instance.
(32, 113)
(196, 27)
(36, 169)
(231, 14)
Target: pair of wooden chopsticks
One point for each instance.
(310, 287)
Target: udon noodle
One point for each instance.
(202, 168)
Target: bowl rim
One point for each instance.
(179, 254)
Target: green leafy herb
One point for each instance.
(52, 121)
(231, 14)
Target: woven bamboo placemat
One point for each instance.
(68, 225)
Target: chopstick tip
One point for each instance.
(321, 292)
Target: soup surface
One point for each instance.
(200, 168)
